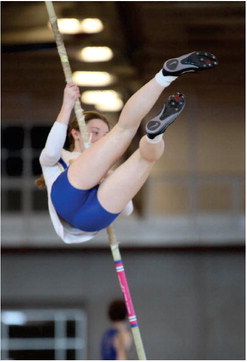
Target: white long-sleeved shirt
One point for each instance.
(51, 169)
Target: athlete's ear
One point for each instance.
(75, 134)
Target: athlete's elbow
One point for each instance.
(48, 158)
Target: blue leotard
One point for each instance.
(80, 208)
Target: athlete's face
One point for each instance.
(97, 129)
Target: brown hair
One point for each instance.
(88, 115)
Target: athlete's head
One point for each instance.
(117, 310)
(97, 126)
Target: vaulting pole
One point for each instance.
(110, 231)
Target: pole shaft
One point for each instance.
(126, 293)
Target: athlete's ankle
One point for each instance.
(164, 80)
(154, 140)
(151, 151)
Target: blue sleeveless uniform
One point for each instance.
(108, 352)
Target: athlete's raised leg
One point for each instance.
(94, 163)
(121, 186)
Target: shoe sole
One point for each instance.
(192, 62)
(172, 108)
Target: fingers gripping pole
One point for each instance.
(110, 231)
(126, 292)
(66, 68)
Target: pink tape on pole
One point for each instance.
(125, 289)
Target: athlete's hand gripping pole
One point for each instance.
(67, 70)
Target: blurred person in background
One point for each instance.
(117, 339)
